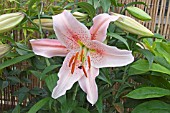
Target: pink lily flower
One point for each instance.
(85, 53)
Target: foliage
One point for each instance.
(142, 86)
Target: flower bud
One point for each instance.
(47, 24)
(4, 48)
(128, 24)
(138, 13)
(80, 16)
(9, 21)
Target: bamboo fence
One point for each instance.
(159, 10)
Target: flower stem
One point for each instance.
(75, 91)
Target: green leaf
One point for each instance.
(16, 109)
(36, 73)
(105, 5)
(148, 55)
(14, 79)
(159, 81)
(3, 84)
(119, 38)
(139, 67)
(80, 110)
(134, 3)
(99, 104)
(148, 92)
(114, 2)
(87, 8)
(158, 68)
(142, 66)
(162, 61)
(39, 105)
(16, 60)
(68, 106)
(154, 106)
(50, 68)
(51, 81)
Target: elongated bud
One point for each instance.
(80, 16)
(44, 22)
(4, 48)
(128, 24)
(9, 21)
(138, 13)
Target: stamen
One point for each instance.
(84, 70)
(81, 55)
(74, 63)
(71, 60)
(89, 63)
(73, 67)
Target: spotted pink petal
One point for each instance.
(89, 86)
(48, 47)
(69, 30)
(109, 56)
(66, 79)
(100, 24)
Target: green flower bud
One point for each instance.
(128, 24)
(9, 21)
(47, 24)
(4, 48)
(138, 13)
(80, 16)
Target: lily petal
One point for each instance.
(100, 24)
(66, 79)
(48, 47)
(69, 30)
(89, 86)
(109, 56)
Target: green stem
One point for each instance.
(75, 91)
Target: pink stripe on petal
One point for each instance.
(108, 56)
(89, 86)
(100, 24)
(69, 30)
(66, 79)
(48, 48)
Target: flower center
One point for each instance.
(82, 59)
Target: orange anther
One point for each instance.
(89, 62)
(71, 60)
(74, 63)
(73, 67)
(84, 70)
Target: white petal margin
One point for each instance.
(69, 30)
(66, 79)
(109, 56)
(48, 47)
(100, 25)
(89, 86)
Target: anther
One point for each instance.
(71, 60)
(84, 70)
(74, 63)
(89, 62)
